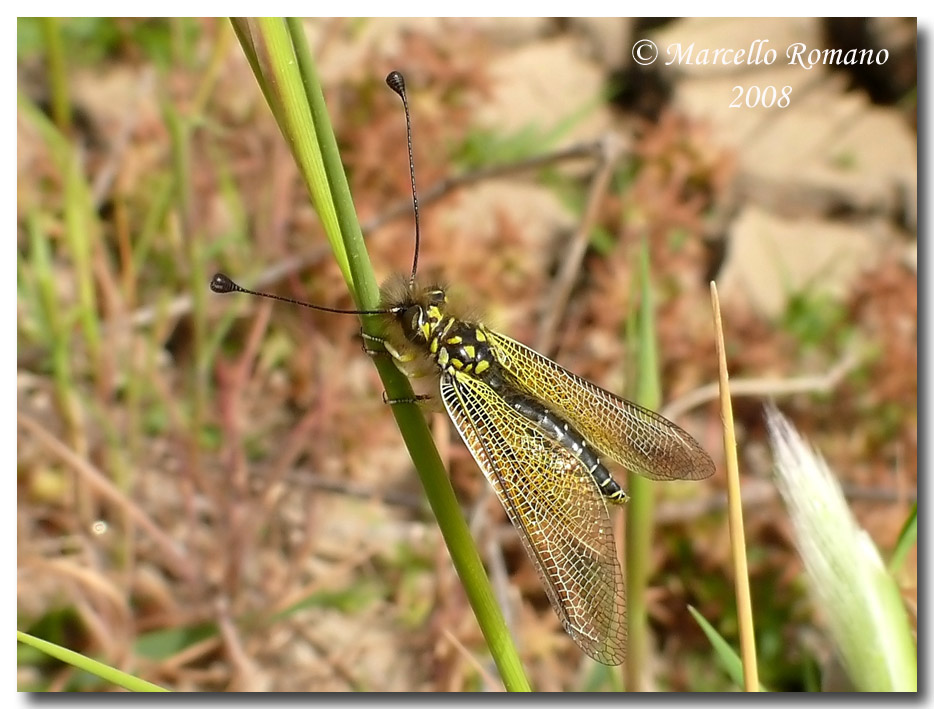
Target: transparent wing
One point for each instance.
(556, 507)
(635, 437)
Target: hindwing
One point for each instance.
(635, 437)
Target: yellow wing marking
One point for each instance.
(635, 437)
(556, 507)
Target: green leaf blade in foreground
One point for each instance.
(105, 672)
(729, 659)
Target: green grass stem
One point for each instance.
(278, 52)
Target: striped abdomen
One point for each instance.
(559, 430)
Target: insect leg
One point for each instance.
(406, 400)
(372, 339)
(400, 357)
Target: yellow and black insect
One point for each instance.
(538, 432)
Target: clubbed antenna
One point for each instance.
(396, 82)
(221, 283)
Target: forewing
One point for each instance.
(635, 437)
(556, 507)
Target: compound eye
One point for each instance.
(413, 318)
(436, 296)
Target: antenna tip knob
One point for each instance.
(222, 284)
(396, 82)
